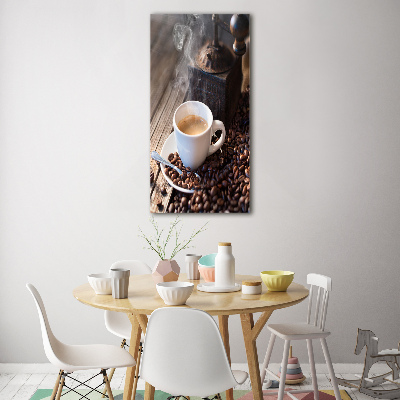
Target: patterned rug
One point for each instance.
(44, 394)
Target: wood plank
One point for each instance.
(161, 128)
(12, 387)
(5, 379)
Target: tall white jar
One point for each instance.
(224, 266)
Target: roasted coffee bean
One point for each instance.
(224, 184)
(171, 208)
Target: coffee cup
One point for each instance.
(194, 127)
(119, 282)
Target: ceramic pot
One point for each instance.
(166, 271)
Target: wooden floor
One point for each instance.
(21, 386)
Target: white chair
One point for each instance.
(71, 358)
(118, 323)
(185, 355)
(304, 331)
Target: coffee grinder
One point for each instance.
(215, 76)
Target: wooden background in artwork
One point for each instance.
(164, 98)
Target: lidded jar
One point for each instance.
(224, 266)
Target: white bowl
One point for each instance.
(175, 293)
(101, 283)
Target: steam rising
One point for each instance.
(188, 38)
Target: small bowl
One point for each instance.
(100, 283)
(207, 267)
(277, 281)
(175, 293)
(207, 273)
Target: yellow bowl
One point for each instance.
(277, 281)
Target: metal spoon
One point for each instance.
(157, 157)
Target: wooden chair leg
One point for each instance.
(330, 368)
(267, 357)
(107, 385)
(282, 381)
(136, 379)
(56, 386)
(312, 366)
(60, 387)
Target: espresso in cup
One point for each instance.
(192, 125)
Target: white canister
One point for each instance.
(224, 266)
(251, 287)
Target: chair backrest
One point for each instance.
(185, 354)
(321, 285)
(137, 267)
(117, 322)
(50, 342)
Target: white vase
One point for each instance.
(224, 266)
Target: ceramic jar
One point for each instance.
(251, 287)
(224, 266)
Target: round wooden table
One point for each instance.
(143, 299)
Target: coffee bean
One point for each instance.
(171, 208)
(224, 183)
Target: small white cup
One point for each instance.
(192, 266)
(194, 149)
(119, 282)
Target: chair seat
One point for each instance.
(81, 357)
(123, 333)
(240, 376)
(297, 331)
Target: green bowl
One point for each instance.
(208, 260)
(277, 281)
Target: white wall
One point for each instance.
(74, 140)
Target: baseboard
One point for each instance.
(47, 368)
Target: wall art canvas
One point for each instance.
(200, 113)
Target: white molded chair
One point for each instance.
(185, 355)
(71, 358)
(118, 323)
(308, 331)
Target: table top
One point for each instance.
(143, 298)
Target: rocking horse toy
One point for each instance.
(366, 384)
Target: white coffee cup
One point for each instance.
(194, 149)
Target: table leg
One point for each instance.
(223, 327)
(133, 350)
(250, 334)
